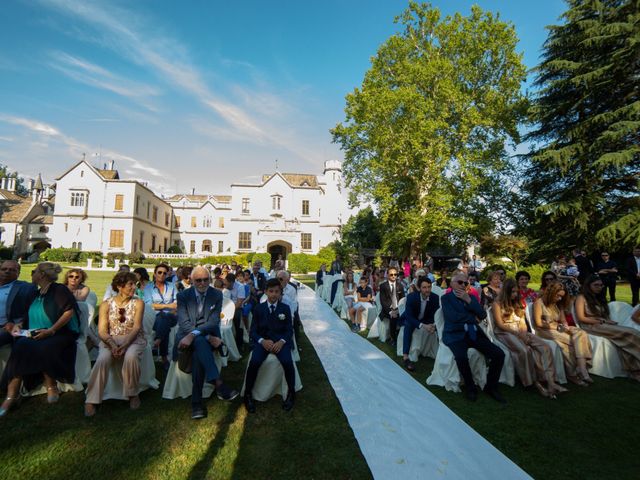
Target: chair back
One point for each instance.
(378, 304)
(437, 290)
(228, 311)
(620, 311)
(439, 322)
(402, 304)
(92, 299)
(83, 320)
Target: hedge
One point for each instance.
(304, 263)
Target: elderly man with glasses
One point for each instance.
(15, 298)
(199, 329)
(461, 332)
(391, 292)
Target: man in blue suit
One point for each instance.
(461, 332)
(199, 327)
(419, 313)
(271, 332)
(259, 280)
(15, 298)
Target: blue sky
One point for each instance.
(196, 93)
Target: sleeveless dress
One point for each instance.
(573, 341)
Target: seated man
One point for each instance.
(461, 332)
(271, 332)
(419, 313)
(259, 281)
(15, 297)
(199, 326)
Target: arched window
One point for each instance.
(74, 245)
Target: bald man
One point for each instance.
(15, 298)
(199, 310)
(461, 332)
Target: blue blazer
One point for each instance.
(20, 297)
(457, 314)
(188, 313)
(412, 310)
(270, 326)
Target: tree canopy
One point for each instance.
(586, 157)
(424, 136)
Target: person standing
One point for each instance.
(461, 332)
(391, 292)
(608, 271)
(633, 274)
(584, 265)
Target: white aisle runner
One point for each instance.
(403, 430)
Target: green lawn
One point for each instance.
(160, 441)
(588, 433)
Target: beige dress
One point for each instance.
(573, 341)
(626, 339)
(131, 359)
(532, 357)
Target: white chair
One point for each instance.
(605, 360)
(628, 322)
(227, 330)
(558, 360)
(445, 371)
(437, 290)
(326, 290)
(114, 387)
(338, 300)
(83, 361)
(271, 380)
(423, 344)
(179, 384)
(92, 300)
(380, 327)
(621, 312)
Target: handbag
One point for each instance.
(184, 359)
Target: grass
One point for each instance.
(160, 441)
(588, 433)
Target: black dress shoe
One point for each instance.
(495, 394)
(198, 413)
(287, 405)
(249, 404)
(471, 395)
(225, 393)
(408, 364)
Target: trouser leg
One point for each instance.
(286, 361)
(459, 350)
(162, 326)
(131, 369)
(494, 355)
(258, 356)
(99, 375)
(407, 337)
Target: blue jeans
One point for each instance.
(162, 326)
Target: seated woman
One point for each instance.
(491, 291)
(592, 311)
(161, 296)
(49, 354)
(75, 280)
(527, 295)
(364, 297)
(532, 357)
(444, 281)
(548, 314)
(348, 290)
(120, 329)
(142, 279)
(184, 278)
(547, 278)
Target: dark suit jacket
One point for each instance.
(188, 313)
(262, 281)
(457, 314)
(20, 297)
(319, 277)
(270, 326)
(412, 310)
(385, 297)
(632, 269)
(584, 268)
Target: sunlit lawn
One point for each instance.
(588, 433)
(161, 441)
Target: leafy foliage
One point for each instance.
(424, 136)
(584, 172)
(362, 230)
(510, 246)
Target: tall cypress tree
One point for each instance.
(585, 164)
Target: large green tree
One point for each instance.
(362, 230)
(586, 157)
(425, 135)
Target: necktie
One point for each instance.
(394, 299)
(200, 304)
(273, 309)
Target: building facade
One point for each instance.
(283, 213)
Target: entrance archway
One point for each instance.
(278, 250)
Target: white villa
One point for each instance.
(96, 210)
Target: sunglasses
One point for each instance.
(393, 275)
(73, 276)
(121, 312)
(460, 282)
(201, 280)
(161, 272)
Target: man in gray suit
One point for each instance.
(199, 328)
(15, 298)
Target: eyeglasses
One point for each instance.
(460, 282)
(393, 275)
(121, 312)
(201, 280)
(161, 272)
(73, 276)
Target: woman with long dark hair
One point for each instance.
(592, 312)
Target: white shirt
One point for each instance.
(290, 298)
(237, 292)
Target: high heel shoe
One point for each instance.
(53, 397)
(558, 389)
(543, 391)
(4, 409)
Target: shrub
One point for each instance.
(111, 257)
(136, 257)
(265, 258)
(95, 256)
(68, 255)
(174, 249)
(304, 263)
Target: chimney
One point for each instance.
(32, 183)
(12, 184)
(193, 191)
(112, 164)
(104, 166)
